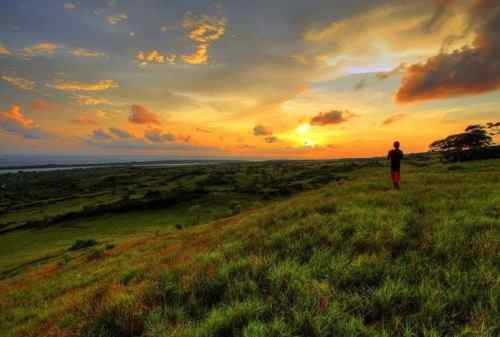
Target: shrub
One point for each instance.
(131, 275)
(65, 259)
(122, 317)
(82, 244)
(235, 207)
(94, 254)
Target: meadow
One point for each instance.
(253, 249)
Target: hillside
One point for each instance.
(346, 257)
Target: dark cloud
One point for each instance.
(184, 138)
(261, 130)
(120, 133)
(331, 117)
(271, 140)
(443, 8)
(203, 130)
(157, 136)
(467, 71)
(360, 85)
(393, 119)
(141, 115)
(100, 135)
(245, 146)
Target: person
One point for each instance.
(395, 156)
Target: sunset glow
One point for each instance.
(239, 79)
(303, 129)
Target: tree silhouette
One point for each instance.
(475, 138)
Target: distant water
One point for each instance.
(9, 160)
(25, 163)
(45, 169)
(64, 168)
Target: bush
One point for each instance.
(235, 207)
(82, 244)
(131, 275)
(95, 254)
(65, 259)
(122, 317)
(455, 168)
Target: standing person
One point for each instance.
(395, 156)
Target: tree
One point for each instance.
(463, 145)
(493, 128)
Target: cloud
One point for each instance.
(442, 9)
(271, 140)
(471, 70)
(157, 136)
(360, 85)
(15, 115)
(200, 55)
(331, 118)
(19, 83)
(115, 19)
(393, 119)
(100, 135)
(88, 100)
(120, 133)
(203, 130)
(82, 52)
(44, 48)
(81, 86)
(84, 121)
(69, 6)
(254, 84)
(141, 115)
(184, 138)
(141, 146)
(203, 31)
(4, 50)
(393, 28)
(14, 122)
(261, 130)
(396, 71)
(154, 56)
(41, 104)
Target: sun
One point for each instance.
(303, 129)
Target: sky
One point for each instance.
(244, 79)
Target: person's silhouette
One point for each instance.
(395, 156)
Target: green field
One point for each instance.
(254, 249)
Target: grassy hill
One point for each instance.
(351, 258)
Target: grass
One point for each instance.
(353, 258)
(22, 247)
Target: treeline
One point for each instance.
(475, 143)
